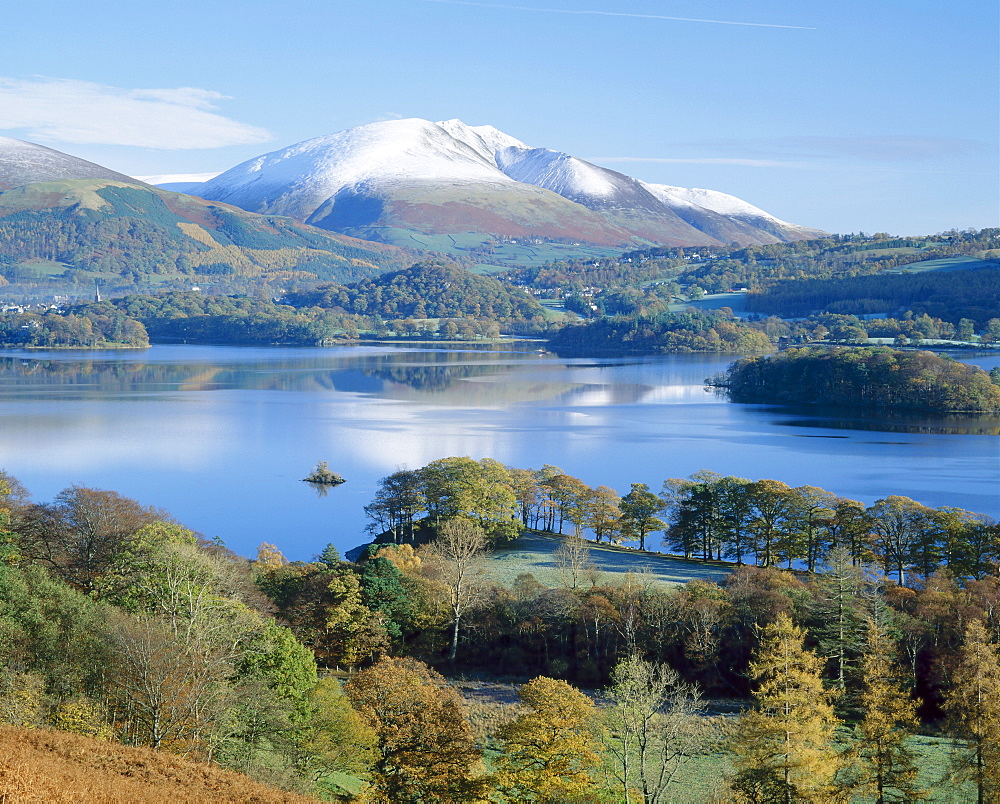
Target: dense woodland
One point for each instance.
(869, 377)
(95, 329)
(434, 289)
(624, 306)
(665, 333)
(120, 624)
(717, 269)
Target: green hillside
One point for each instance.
(79, 231)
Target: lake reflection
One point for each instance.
(219, 436)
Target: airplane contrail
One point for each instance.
(618, 14)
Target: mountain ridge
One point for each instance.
(451, 178)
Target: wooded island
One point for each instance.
(868, 377)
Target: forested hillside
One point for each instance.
(428, 290)
(661, 334)
(134, 234)
(948, 295)
(717, 269)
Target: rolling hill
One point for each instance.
(109, 229)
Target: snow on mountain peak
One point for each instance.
(559, 172)
(26, 162)
(358, 174)
(712, 200)
(485, 140)
(384, 153)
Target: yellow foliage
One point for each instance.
(550, 751)
(22, 699)
(402, 556)
(783, 749)
(82, 716)
(268, 555)
(196, 232)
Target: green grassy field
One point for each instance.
(533, 551)
(944, 264)
(703, 777)
(714, 301)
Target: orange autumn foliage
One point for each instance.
(38, 765)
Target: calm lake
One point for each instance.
(220, 436)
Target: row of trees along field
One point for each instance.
(867, 377)
(123, 625)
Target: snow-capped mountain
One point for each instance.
(26, 162)
(399, 177)
(682, 199)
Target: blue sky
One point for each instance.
(847, 116)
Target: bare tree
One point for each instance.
(655, 727)
(83, 532)
(167, 691)
(572, 559)
(458, 558)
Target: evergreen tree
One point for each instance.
(783, 749)
(837, 615)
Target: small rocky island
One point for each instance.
(324, 476)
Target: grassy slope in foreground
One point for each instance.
(55, 766)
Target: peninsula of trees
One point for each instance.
(869, 377)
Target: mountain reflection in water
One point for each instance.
(221, 436)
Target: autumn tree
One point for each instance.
(399, 499)
(886, 769)
(653, 727)
(895, 522)
(480, 491)
(973, 707)
(334, 738)
(569, 498)
(82, 533)
(604, 513)
(425, 750)
(810, 511)
(550, 751)
(638, 513)
(782, 749)
(769, 512)
(168, 693)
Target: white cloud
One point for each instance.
(66, 110)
